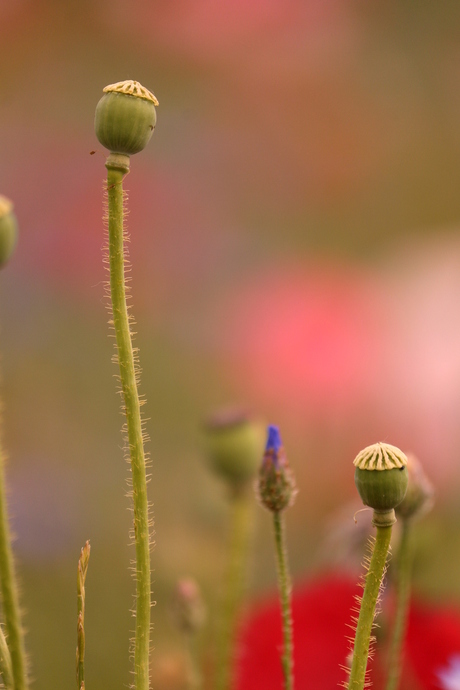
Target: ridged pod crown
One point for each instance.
(8, 230)
(277, 488)
(381, 476)
(235, 442)
(125, 117)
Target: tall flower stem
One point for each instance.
(117, 166)
(192, 667)
(284, 583)
(5, 663)
(403, 586)
(9, 591)
(240, 531)
(81, 577)
(373, 580)
(277, 491)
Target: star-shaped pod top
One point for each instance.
(380, 456)
(131, 88)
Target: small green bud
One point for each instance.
(8, 230)
(277, 489)
(419, 497)
(234, 445)
(125, 117)
(381, 476)
(187, 606)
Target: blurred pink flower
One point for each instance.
(307, 336)
(353, 353)
(205, 28)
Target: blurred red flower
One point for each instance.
(322, 614)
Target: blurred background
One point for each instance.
(295, 240)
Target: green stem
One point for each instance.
(9, 592)
(240, 530)
(5, 663)
(193, 675)
(81, 577)
(117, 167)
(373, 581)
(403, 586)
(284, 583)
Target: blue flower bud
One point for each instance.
(277, 488)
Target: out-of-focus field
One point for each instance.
(295, 241)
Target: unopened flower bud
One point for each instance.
(277, 488)
(125, 117)
(419, 496)
(187, 606)
(381, 476)
(8, 230)
(234, 444)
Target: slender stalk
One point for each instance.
(5, 663)
(284, 583)
(403, 587)
(373, 578)
(115, 174)
(240, 529)
(193, 675)
(9, 591)
(81, 577)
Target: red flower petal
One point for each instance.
(322, 612)
(433, 638)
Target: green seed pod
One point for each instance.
(381, 476)
(235, 443)
(419, 497)
(8, 230)
(125, 117)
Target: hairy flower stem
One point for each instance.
(240, 531)
(284, 584)
(6, 670)
(403, 586)
(9, 592)
(373, 580)
(117, 166)
(81, 577)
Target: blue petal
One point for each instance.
(274, 439)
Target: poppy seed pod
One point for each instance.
(234, 443)
(125, 117)
(8, 230)
(381, 476)
(419, 497)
